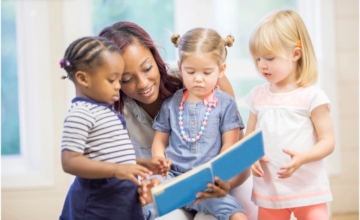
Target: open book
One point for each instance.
(182, 189)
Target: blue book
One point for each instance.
(182, 189)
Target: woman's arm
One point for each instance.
(77, 164)
(225, 86)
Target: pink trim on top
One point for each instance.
(291, 197)
(297, 98)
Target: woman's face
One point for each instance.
(141, 78)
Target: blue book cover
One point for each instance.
(182, 189)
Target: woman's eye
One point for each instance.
(125, 80)
(190, 72)
(270, 59)
(148, 69)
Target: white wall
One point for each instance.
(46, 202)
(345, 186)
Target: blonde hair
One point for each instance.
(202, 40)
(286, 30)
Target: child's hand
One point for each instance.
(144, 190)
(130, 171)
(159, 165)
(297, 159)
(256, 169)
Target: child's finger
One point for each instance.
(257, 169)
(134, 179)
(265, 159)
(257, 173)
(155, 182)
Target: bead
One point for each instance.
(203, 123)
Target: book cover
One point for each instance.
(182, 189)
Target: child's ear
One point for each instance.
(222, 70)
(82, 78)
(297, 54)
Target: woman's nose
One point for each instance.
(142, 82)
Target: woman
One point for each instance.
(144, 85)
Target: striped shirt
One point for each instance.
(97, 131)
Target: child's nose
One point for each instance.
(117, 85)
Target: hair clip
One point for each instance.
(298, 43)
(67, 63)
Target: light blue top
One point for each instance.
(186, 155)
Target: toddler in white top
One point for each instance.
(295, 119)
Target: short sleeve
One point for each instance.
(318, 98)
(162, 120)
(249, 100)
(77, 126)
(230, 115)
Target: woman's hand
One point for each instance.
(144, 190)
(158, 165)
(220, 189)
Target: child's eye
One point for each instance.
(111, 81)
(190, 73)
(270, 59)
(207, 73)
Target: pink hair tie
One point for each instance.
(61, 62)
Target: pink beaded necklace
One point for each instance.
(209, 101)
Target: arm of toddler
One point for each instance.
(321, 119)
(77, 164)
(229, 138)
(160, 142)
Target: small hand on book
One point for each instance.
(158, 165)
(220, 189)
(145, 196)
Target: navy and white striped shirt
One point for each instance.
(97, 131)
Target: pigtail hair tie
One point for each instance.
(62, 62)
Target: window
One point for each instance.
(156, 17)
(10, 133)
(238, 18)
